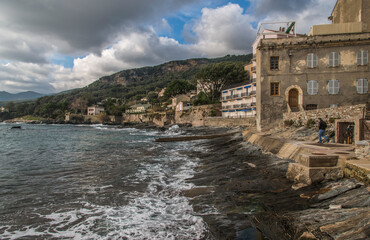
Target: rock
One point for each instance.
(335, 191)
(335, 207)
(307, 236)
(362, 143)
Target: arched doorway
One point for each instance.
(293, 100)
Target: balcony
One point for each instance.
(228, 97)
(236, 106)
(237, 96)
(254, 69)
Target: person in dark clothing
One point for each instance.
(322, 127)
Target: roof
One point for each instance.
(236, 85)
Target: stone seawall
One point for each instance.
(230, 122)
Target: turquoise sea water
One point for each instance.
(94, 182)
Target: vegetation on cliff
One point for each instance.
(123, 86)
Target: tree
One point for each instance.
(177, 87)
(214, 77)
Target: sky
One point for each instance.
(50, 46)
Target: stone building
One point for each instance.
(94, 110)
(310, 72)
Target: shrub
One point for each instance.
(288, 123)
(310, 123)
(332, 119)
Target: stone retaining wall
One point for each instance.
(344, 113)
(230, 122)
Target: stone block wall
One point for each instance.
(343, 113)
(230, 122)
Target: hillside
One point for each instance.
(5, 96)
(130, 84)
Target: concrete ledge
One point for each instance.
(308, 175)
(358, 169)
(318, 160)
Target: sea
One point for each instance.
(95, 182)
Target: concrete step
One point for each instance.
(318, 160)
(308, 175)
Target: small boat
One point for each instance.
(16, 127)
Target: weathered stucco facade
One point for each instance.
(348, 16)
(310, 72)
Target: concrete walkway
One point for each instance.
(314, 159)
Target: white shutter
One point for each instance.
(333, 87)
(365, 85)
(315, 87)
(333, 59)
(362, 86)
(362, 57)
(309, 60)
(312, 87)
(359, 58)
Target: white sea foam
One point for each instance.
(159, 212)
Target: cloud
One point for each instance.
(312, 12)
(26, 76)
(224, 30)
(73, 27)
(265, 7)
(114, 35)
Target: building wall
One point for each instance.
(347, 11)
(294, 73)
(239, 102)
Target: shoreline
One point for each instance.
(239, 188)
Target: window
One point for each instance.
(362, 57)
(333, 87)
(311, 106)
(334, 59)
(362, 86)
(274, 63)
(275, 89)
(311, 60)
(312, 87)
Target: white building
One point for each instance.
(239, 101)
(94, 110)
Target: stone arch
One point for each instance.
(300, 97)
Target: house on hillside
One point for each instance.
(161, 93)
(180, 101)
(94, 110)
(239, 101)
(3, 109)
(139, 108)
(328, 68)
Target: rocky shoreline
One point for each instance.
(240, 189)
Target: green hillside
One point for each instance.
(126, 85)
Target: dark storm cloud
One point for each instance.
(76, 26)
(264, 7)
